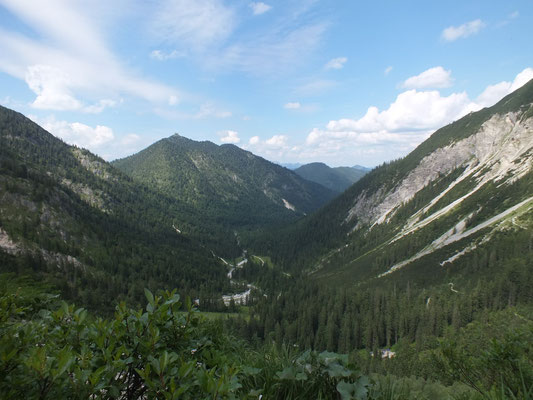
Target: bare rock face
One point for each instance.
(7, 245)
(501, 151)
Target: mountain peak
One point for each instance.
(225, 180)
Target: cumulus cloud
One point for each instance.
(259, 8)
(411, 111)
(387, 70)
(51, 85)
(381, 135)
(274, 148)
(76, 133)
(336, 63)
(436, 77)
(292, 105)
(453, 33)
(277, 141)
(229, 137)
(493, 93)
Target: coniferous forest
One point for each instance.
(115, 286)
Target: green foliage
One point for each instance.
(493, 356)
(158, 352)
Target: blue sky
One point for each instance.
(343, 82)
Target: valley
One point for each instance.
(402, 262)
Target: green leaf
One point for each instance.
(95, 376)
(336, 370)
(355, 391)
(287, 373)
(149, 297)
(65, 360)
(250, 370)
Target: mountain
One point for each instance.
(459, 206)
(227, 184)
(337, 179)
(361, 168)
(69, 217)
(292, 166)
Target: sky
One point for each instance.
(342, 82)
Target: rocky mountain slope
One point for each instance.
(71, 218)
(461, 195)
(337, 179)
(225, 182)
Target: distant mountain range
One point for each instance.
(337, 179)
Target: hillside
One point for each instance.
(225, 183)
(461, 200)
(337, 179)
(73, 219)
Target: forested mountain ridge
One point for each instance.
(68, 216)
(226, 183)
(460, 195)
(337, 179)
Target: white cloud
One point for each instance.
(276, 147)
(229, 137)
(274, 52)
(493, 93)
(381, 135)
(336, 63)
(411, 111)
(76, 133)
(453, 33)
(51, 85)
(205, 31)
(172, 100)
(100, 106)
(387, 70)
(195, 24)
(78, 62)
(436, 77)
(259, 8)
(160, 55)
(292, 106)
(277, 141)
